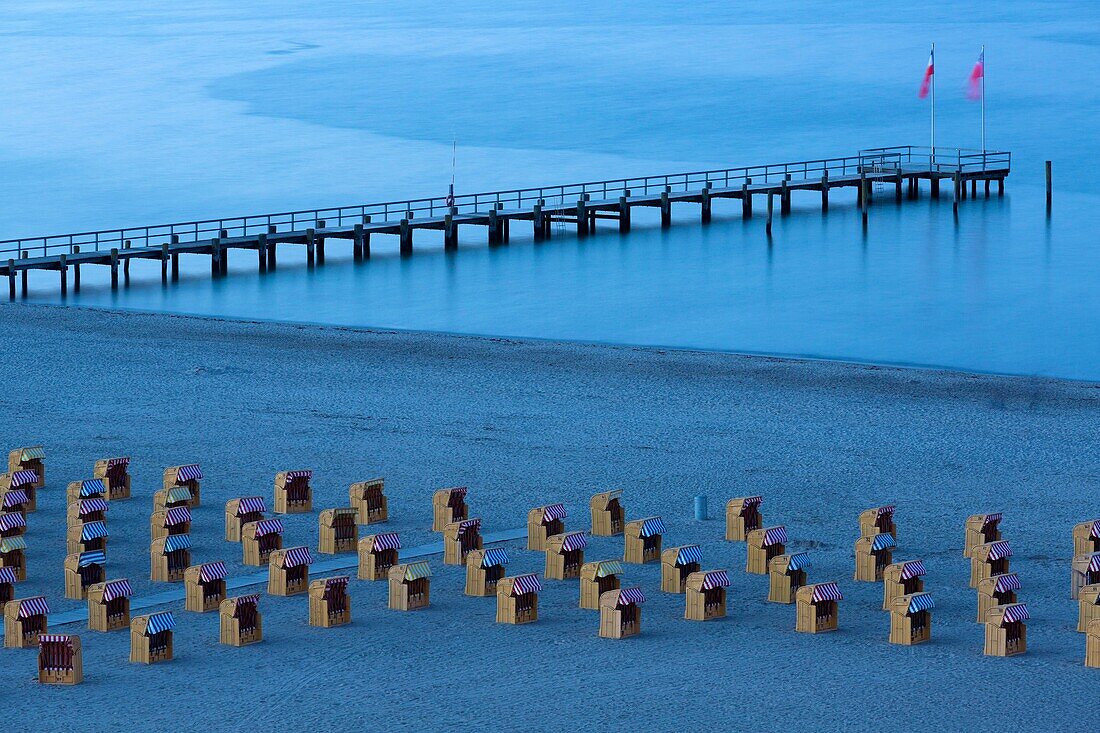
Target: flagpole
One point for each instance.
(933, 161)
(983, 100)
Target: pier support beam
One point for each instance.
(506, 230)
(897, 189)
(494, 227)
(1000, 187)
(955, 203)
(405, 238)
(666, 210)
(768, 226)
(785, 196)
(934, 184)
(366, 239)
(311, 244)
(624, 215)
(825, 191)
(114, 269)
(863, 199)
(582, 218)
(261, 253)
(215, 258)
(164, 257)
(1050, 184)
(11, 279)
(64, 268)
(450, 233)
(357, 242)
(746, 202)
(536, 222)
(321, 224)
(704, 199)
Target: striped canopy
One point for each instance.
(689, 554)
(631, 595)
(248, 600)
(826, 592)
(458, 492)
(1000, 549)
(798, 561)
(1094, 562)
(190, 472)
(92, 487)
(11, 544)
(55, 639)
(36, 606)
(340, 581)
(716, 579)
(177, 494)
(752, 501)
(32, 454)
(117, 589)
(296, 557)
(212, 571)
(1006, 582)
(112, 462)
(23, 478)
(15, 497)
(523, 584)
(93, 557)
(609, 567)
(177, 515)
(912, 569)
(299, 474)
(7, 575)
(883, 541)
(11, 521)
(574, 541)
(494, 556)
(993, 518)
(93, 531)
(387, 541)
(251, 505)
(550, 512)
(90, 506)
(468, 525)
(921, 602)
(269, 526)
(1016, 612)
(775, 536)
(652, 527)
(158, 622)
(177, 542)
(888, 509)
(416, 570)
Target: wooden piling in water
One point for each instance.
(582, 218)
(64, 268)
(624, 215)
(311, 239)
(666, 210)
(215, 258)
(897, 189)
(1050, 185)
(955, 203)
(76, 272)
(261, 253)
(768, 226)
(746, 202)
(164, 257)
(405, 237)
(825, 191)
(114, 269)
(11, 279)
(785, 196)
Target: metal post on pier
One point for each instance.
(704, 200)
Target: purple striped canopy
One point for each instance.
(752, 501)
(912, 569)
(387, 541)
(1094, 562)
(177, 515)
(574, 541)
(888, 509)
(993, 518)
(299, 474)
(35, 606)
(23, 478)
(253, 599)
(117, 589)
(93, 531)
(212, 571)
(190, 472)
(1016, 612)
(297, 556)
(716, 579)
(95, 504)
(523, 584)
(251, 505)
(633, 595)
(999, 549)
(112, 462)
(469, 524)
(337, 582)
(269, 526)
(55, 639)
(15, 497)
(1094, 533)
(826, 592)
(1006, 582)
(459, 492)
(14, 520)
(7, 575)
(550, 512)
(775, 536)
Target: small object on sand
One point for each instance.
(543, 522)
(484, 569)
(164, 522)
(1092, 644)
(981, 529)
(288, 571)
(621, 613)
(240, 621)
(189, 476)
(239, 512)
(900, 579)
(817, 608)
(677, 563)
(83, 570)
(1088, 602)
(743, 516)
(1086, 537)
(13, 555)
(705, 595)
(911, 618)
(598, 578)
(564, 555)
(204, 586)
(377, 554)
(329, 604)
(763, 545)
(87, 536)
(878, 520)
(996, 590)
(29, 459)
(643, 540)
(109, 605)
(24, 620)
(369, 499)
(449, 506)
(1084, 570)
(786, 574)
(114, 472)
(608, 513)
(873, 554)
(459, 538)
(518, 599)
(169, 557)
(338, 530)
(989, 559)
(19, 491)
(82, 511)
(60, 659)
(410, 586)
(151, 638)
(92, 488)
(293, 492)
(1005, 631)
(259, 539)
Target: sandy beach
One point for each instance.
(524, 423)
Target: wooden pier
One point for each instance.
(581, 205)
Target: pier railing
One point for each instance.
(874, 161)
(946, 160)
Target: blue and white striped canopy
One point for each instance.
(269, 526)
(1016, 612)
(921, 602)
(7, 575)
(93, 531)
(631, 595)
(387, 541)
(825, 592)
(550, 512)
(15, 497)
(912, 569)
(92, 487)
(93, 557)
(90, 506)
(1006, 582)
(689, 554)
(798, 561)
(212, 571)
(23, 478)
(494, 556)
(36, 606)
(652, 527)
(574, 541)
(12, 520)
(177, 515)
(176, 542)
(158, 622)
(775, 536)
(1000, 549)
(883, 541)
(716, 579)
(190, 472)
(609, 567)
(117, 589)
(297, 556)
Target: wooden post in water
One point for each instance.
(366, 237)
(321, 243)
(1050, 185)
(582, 218)
(666, 210)
(536, 222)
(934, 184)
(357, 242)
(955, 203)
(311, 239)
(261, 253)
(76, 271)
(785, 196)
(987, 182)
(215, 258)
(768, 226)
(114, 269)
(897, 189)
(863, 200)
(405, 234)
(825, 191)
(746, 201)
(704, 199)
(450, 233)
(11, 279)
(164, 264)
(624, 215)
(64, 268)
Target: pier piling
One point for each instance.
(1050, 185)
(114, 269)
(11, 279)
(64, 275)
(624, 215)
(825, 191)
(261, 253)
(405, 237)
(768, 226)
(666, 210)
(164, 257)
(311, 245)
(746, 201)
(785, 196)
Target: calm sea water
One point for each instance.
(118, 114)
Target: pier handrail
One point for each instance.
(871, 161)
(946, 160)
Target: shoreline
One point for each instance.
(790, 358)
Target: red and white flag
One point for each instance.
(926, 82)
(977, 75)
